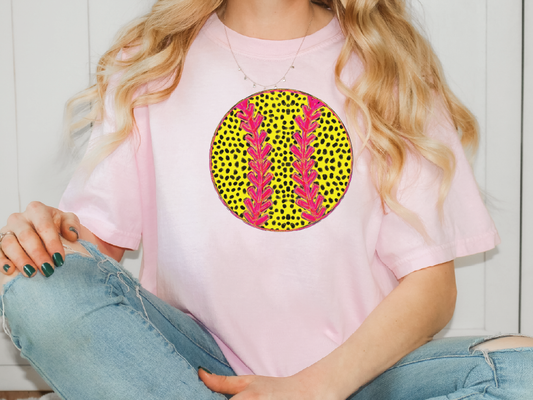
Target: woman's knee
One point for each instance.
(503, 343)
(39, 305)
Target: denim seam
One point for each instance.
(5, 325)
(474, 394)
(431, 358)
(490, 362)
(187, 336)
(130, 310)
(485, 354)
(138, 291)
(46, 378)
(134, 285)
(120, 272)
(101, 261)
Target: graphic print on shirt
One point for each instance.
(281, 160)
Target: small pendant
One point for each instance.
(275, 86)
(292, 66)
(254, 84)
(283, 80)
(244, 77)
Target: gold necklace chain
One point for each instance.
(284, 77)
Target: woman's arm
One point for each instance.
(421, 305)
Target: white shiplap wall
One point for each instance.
(464, 58)
(527, 168)
(49, 48)
(8, 115)
(48, 51)
(503, 163)
(479, 43)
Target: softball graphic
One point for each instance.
(281, 160)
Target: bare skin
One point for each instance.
(510, 342)
(69, 247)
(274, 19)
(38, 234)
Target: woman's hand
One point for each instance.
(419, 307)
(34, 240)
(248, 387)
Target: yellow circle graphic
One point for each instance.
(281, 160)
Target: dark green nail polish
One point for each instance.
(6, 267)
(206, 370)
(72, 229)
(47, 269)
(29, 270)
(58, 259)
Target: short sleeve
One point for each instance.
(465, 228)
(108, 202)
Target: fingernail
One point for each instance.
(6, 267)
(47, 269)
(206, 370)
(58, 259)
(72, 229)
(29, 270)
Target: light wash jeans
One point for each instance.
(93, 332)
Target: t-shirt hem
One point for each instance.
(106, 232)
(444, 253)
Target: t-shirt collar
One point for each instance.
(270, 49)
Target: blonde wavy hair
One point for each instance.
(394, 97)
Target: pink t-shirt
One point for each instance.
(256, 216)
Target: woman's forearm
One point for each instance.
(421, 305)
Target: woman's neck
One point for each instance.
(274, 19)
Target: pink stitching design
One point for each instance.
(310, 199)
(260, 192)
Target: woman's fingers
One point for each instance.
(27, 248)
(36, 243)
(6, 266)
(12, 250)
(46, 223)
(70, 227)
(224, 384)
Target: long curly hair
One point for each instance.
(394, 97)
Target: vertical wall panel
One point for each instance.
(8, 146)
(527, 193)
(105, 20)
(504, 89)
(51, 55)
(8, 126)
(51, 59)
(107, 17)
(464, 59)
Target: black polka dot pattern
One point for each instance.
(281, 160)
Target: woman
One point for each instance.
(295, 172)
